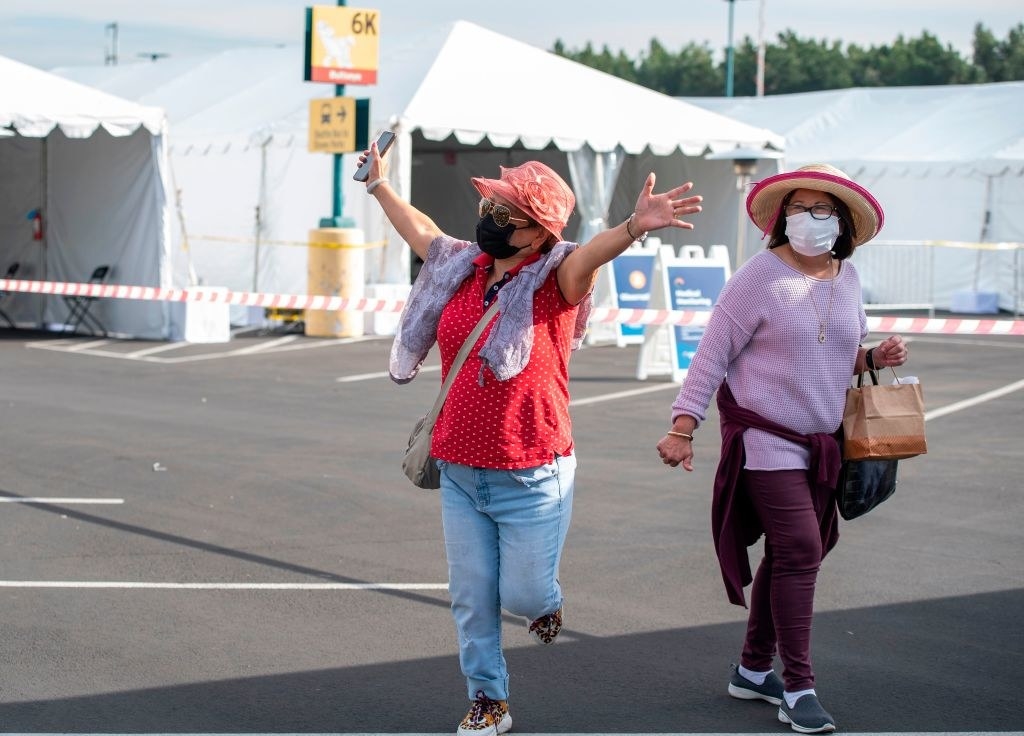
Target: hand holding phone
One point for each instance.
(383, 144)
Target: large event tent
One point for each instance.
(947, 164)
(92, 165)
(462, 99)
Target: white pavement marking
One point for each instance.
(524, 733)
(974, 401)
(266, 345)
(158, 349)
(380, 374)
(217, 586)
(146, 355)
(87, 345)
(979, 343)
(62, 501)
(624, 394)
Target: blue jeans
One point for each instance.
(504, 531)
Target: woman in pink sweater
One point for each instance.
(781, 345)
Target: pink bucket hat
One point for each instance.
(537, 190)
(764, 203)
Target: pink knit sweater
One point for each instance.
(763, 334)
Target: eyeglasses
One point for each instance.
(818, 211)
(501, 214)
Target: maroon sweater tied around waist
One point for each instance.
(734, 523)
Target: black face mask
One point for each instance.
(493, 240)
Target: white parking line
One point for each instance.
(148, 355)
(633, 733)
(152, 351)
(217, 586)
(974, 401)
(62, 501)
(87, 345)
(624, 394)
(380, 374)
(266, 345)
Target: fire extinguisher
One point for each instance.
(36, 216)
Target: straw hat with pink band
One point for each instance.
(764, 203)
(537, 190)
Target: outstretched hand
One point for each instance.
(655, 211)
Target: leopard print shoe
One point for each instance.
(486, 717)
(546, 628)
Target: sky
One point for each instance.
(51, 33)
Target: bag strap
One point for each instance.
(874, 377)
(464, 351)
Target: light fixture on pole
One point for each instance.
(744, 166)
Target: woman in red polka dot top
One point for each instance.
(503, 440)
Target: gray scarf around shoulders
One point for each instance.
(510, 342)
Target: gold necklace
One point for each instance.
(822, 323)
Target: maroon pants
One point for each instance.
(782, 597)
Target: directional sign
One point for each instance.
(342, 45)
(332, 125)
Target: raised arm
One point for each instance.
(414, 227)
(578, 272)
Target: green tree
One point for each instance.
(744, 68)
(799, 65)
(793, 64)
(999, 61)
(864, 66)
(692, 73)
(922, 61)
(658, 69)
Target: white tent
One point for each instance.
(91, 165)
(947, 164)
(463, 99)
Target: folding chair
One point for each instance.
(11, 271)
(79, 306)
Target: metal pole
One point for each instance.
(729, 53)
(111, 56)
(338, 200)
(760, 50)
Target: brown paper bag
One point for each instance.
(883, 422)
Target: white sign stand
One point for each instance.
(690, 281)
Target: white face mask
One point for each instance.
(810, 237)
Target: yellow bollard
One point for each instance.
(336, 269)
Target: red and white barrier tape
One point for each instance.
(909, 325)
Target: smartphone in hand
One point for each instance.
(383, 144)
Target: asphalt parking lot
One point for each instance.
(219, 539)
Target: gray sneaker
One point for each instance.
(807, 716)
(742, 688)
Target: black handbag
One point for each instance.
(863, 484)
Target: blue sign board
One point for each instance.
(691, 288)
(633, 272)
